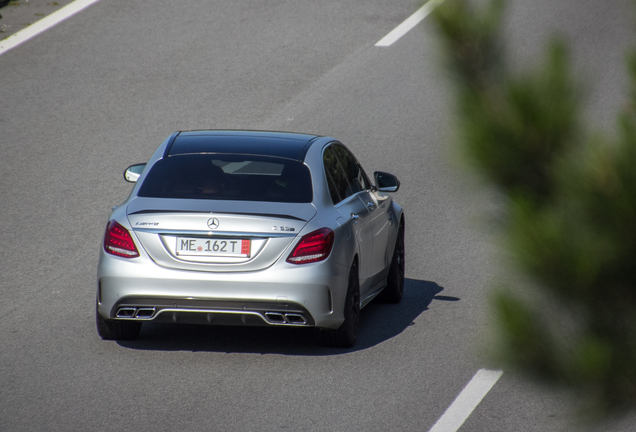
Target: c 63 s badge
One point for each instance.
(283, 228)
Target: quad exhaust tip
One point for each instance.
(285, 318)
(135, 312)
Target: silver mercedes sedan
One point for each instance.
(228, 227)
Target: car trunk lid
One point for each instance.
(218, 236)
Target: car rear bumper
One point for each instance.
(282, 295)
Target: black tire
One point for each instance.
(117, 330)
(394, 289)
(346, 335)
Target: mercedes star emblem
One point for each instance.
(213, 223)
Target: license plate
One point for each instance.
(213, 247)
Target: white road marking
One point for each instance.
(464, 404)
(44, 24)
(410, 22)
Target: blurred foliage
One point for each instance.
(570, 217)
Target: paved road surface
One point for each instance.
(102, 89)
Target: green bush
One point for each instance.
(570, 209)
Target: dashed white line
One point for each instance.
(44, 24)
(465, 403)
(410, 22)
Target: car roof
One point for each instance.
(287, 145)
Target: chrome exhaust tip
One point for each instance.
(145, 312)
(295, 319)
(126, 312)
(134, 312)
(285, 318)
(275, 317)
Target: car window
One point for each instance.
(336, 177)
(345, 176)
(353, 170)
(228, 177)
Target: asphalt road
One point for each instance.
(101, 90)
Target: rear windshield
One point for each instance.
(228, 177)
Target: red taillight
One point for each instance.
(313, 247)
(117, 241)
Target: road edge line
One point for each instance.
(409, 23)
(466, 402)
(44, 24)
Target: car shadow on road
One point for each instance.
(379, 322)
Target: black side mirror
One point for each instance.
(133, 172)
(386, 182)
